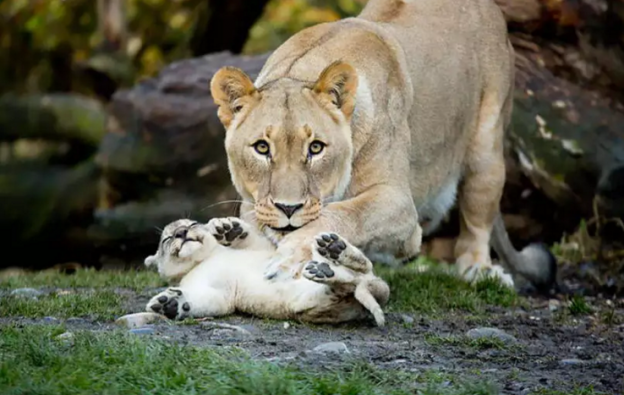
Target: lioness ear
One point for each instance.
(230, 87)
(338, 83)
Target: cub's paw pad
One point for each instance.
(477, 272)
(318, 270)
(330, 245)
(170, 303)
(227, 230)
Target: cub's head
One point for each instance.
(183, 245)
(288, 142)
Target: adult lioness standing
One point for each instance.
(361, 125)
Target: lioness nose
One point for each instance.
(288, 209)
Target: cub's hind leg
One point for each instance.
(481, 191)
(332, 247)
(346, 270)
(236, 233)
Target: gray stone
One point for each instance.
(407, 319)
(221, 329)
(26, 292)
(146, 330)
(67, 338)
(482, 333)
(50, 320)
(332, 347)
(138, 320)
(572, 362)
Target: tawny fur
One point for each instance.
(409, 101)
(219, 267)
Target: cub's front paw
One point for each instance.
(171, 303)
(229, 232)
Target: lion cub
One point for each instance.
(220, 265)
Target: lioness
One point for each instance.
(219, 268)
(362, 125)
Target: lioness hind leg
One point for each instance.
(481, 191)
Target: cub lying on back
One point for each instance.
(219, 268)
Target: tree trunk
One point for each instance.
(223, 25)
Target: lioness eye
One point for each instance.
(316, 147)
(261, 147)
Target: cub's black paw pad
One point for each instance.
(330, 245)
(319, 269)
(169, 305)
(226, 233)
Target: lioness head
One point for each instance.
(289, 141)
(182, 246)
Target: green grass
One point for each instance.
(86, 278)
(99, 304)
(436, 290)
(432, 292)
(576, 391)
(578, 306)
(33, 361)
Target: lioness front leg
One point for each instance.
(190, 301)
(480, 194)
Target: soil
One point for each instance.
(552, 349)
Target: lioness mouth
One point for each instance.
(288, 228)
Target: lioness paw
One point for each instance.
(478, 272)
(229, 232)
(171, 303)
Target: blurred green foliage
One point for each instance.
(43, 42)
(283, 18)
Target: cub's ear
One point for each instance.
(231, 90)
(338, 84)
(150, 260)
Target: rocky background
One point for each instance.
(102, 144)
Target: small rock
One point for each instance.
(67, 338)
(480, 333)
(332, 347)
(553, 305)
(75, 320)
(146, 330)
(222, 325)
(50, 320)
(138, 320)
(26, 292)
(286, 325)
(571, 362)
(407, 319)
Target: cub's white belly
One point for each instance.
(229, 269)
